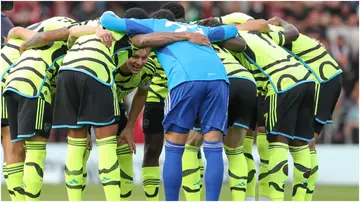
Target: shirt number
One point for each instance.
(184, 28)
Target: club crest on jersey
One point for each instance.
(47, 127)
(146, 123)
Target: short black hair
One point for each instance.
(176, 8)
(209, 22)
(163, 14)
(137, 13)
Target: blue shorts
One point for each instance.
(205, 100)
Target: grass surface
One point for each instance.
(96, 193)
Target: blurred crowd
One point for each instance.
(334, 23)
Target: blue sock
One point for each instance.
(172, 171)
(214, 171)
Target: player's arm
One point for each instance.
(111, 21)
(20, 32)
(259, 25)
(137, 105)
(159, 39)
(105, 36)
(290, 32)
(43, 38)
(236, 44)
(220, 33)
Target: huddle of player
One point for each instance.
(202, 83)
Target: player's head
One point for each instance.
(136, 13)
(138, 59)
(209, 22)
(163, 14)
(177, 9)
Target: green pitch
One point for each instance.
(96, 193)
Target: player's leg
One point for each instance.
(299, 148)
(66, 110)
(181, 108)
(13, 168)
(213, 120)
(251, 170)
(280, 127)
(263, 150)
(125, 158)
(14, 154)
(240, 112)
(154, 140)
(99, 107)
(34, 125)
(191, 178)
(85, 159)
(324, 109)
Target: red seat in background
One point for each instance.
(138, 130)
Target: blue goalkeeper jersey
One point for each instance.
(182, 61)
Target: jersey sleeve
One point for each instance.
(220, 33)
(128, 26)
(277, 36)
(235, 18)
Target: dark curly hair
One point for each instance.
(163, 14)
(209, 22)
(176, 8)
(137, 13)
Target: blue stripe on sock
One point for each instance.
(214, 169)
(172, 171)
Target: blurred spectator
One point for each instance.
(88, 10)
(25, 13)
(341, 52)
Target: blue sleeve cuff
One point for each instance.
(112, 22)
(230, 31)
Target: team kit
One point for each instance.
(220, 83)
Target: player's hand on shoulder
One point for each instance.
(127, 135)
(275, 21)
(21, 49)
(198, 38)
(105, 36)
(319, 42)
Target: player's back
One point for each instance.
(185, 61)
(36, 67)
(233, 68)
(274, 66)
(313, 54)
(51, 24)
(90, 56)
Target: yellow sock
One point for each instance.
(302, 164)
(125, 159)
(34, 169)
(109, 170)
(85, 159)
(263, 178)
(151, 182)
(10, 190)
(237, 172)
(191, 173)
(313, 175)
(251, 181)
(278, 170)
(74, 168)
(14, 180)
